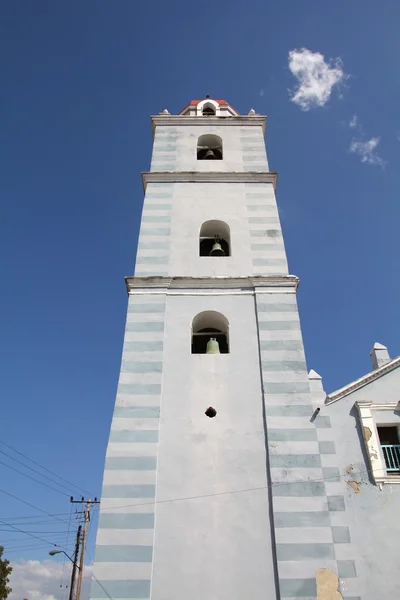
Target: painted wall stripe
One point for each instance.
(294, 410)
(271, 233)
(145, 326)
(148, 206)
(145, 389)
(286, 387)
(144, 346)
(286, 435)
(152, 260)
(336, 503)
(302, 519)
(124, 589)
(341, 535)
(304, 551)
(346, 569)
(323, 422)
(263, 220)
(301, 461)
(278, 325)
(281, 345)
(138, 435)
(147, 308)
(278, 307)
(161, 231)
(124, 554)
(269, 262)
(283, 365)
(299, 488)
(140, 412)
(156, 219)
(126, 521)
(129, 491)
(298, 588)
(261, 207)
(128, 366)
(327, 447)
(135, 463)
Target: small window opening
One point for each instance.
(208, 111)
(214, 239)
(211, 412)
(390, 444)
(210, 333)
(209, 147)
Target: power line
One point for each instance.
(32, 535)
(34, 516)
(33, 479)
(32, 506)
(264, 487)
(44, 468)
(34, 470)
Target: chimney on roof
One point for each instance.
(379, 356)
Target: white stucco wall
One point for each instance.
(223, 542)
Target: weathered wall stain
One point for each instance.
(355, 485)
(327, 585)
(367, 434)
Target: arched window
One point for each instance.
(206, 326)
(215, 239)
(208, 111)
(209, 147)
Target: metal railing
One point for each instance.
(391, 455)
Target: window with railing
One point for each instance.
(390, 443)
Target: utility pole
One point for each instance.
(75, 563)
(88, 504)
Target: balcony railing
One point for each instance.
(391, 454)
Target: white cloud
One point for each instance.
(353, 122)
(316, 77)
(367, 151)
(37, 580)
(261, 93)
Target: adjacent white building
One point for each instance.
(222, 481)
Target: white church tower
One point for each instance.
(213, 484)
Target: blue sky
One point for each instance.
(78, 83)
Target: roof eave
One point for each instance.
(362, 381)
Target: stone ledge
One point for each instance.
(252, 284)
(207, 177)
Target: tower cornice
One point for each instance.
(171, 120)
(208, 177)
(252, 284)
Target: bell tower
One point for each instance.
(204, 486)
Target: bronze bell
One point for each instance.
(212, 347)
(209, 155)
(217, 250)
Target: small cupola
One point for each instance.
(209, 108)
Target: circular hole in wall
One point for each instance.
(211, 412)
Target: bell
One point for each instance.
(216, 250)
(209, 155)
(212, 347)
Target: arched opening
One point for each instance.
(208, 111)
(206, 326)
(209, 147)
(213, 233)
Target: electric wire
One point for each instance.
(33, 535)
(32, 506)
(35, 471)
(45, 468)
(33, 479)
(254, 489)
